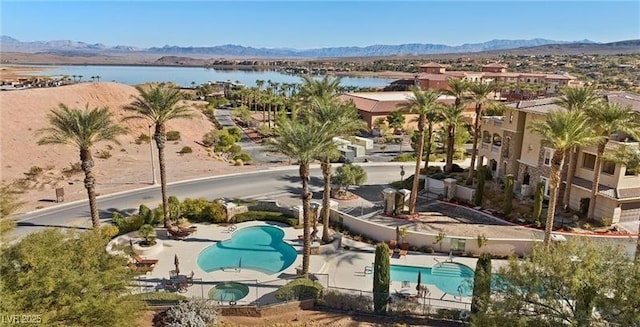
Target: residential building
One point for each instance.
(435, 76)
(375, 105)
(508, 146)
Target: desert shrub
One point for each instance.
(192, 313)
(173, 136)
(347, 302)
(245, 157)
(128, 224)
(33, 172)
(210, 139)
(148, 233)
(432, 170)
(265, 216)
(103, 154)
(146, 214)
(381, 278)
(142, 138)
(157, 298)
(234, 149)
(299, 289)
(74, 168)
(238, 162)
(186, 149)
(405, 157)
(235, 132)
(109, 231)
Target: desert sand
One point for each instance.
(24, 112)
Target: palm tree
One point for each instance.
(302, 141)
(479, 92)
(83, 129)
(561, 130)
(323, 88)
(159, 105)
(606, 119)
(630, 158)
(575, 99)
(422, 103)
(453, 117)
(458, 88)
(341, 119)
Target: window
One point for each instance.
(458, 244)
(497, 140)
(608, 167)
(588, 161)
(547, 190)
(486, 137)
(548, 155)
(510, 116)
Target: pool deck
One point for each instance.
(343, 269)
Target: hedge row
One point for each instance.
(264, 216)
(299, 289)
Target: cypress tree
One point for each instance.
(537, 201)
(381, 278)
(508, 195)
(480, 187)
(481, 285)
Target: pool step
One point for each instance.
(450, 270)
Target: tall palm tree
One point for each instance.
(561, 130)
(423, 103)
(453, 117)
(341, 119)
(302, 141)
(321, 88)
(606, 119)
(479, 92)
(630, 158)
(458, 88)
(82, 129)
(159, 105)
(575, 99)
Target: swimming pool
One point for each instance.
(450, 277)
(258, 248)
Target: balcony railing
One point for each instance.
(485, 145)
(495, 148)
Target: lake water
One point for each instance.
(185, 75)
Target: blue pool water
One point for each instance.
(258, 248)
(450, 277)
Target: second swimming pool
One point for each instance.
(450, 277)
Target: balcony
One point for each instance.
(495, 148)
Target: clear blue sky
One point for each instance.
(306, 24)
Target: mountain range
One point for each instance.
(9, 44)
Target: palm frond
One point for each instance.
(565, 129)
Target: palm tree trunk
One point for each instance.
(451, 140)
(556, 167)
(573, 162)
(306, 225)
(596, 180)
(428, 154)
(326, 175)
(160, 143)
(474, 150)
(637, 257)
(89, 184)
(413, 198)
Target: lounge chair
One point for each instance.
(177, 234)
(140, 261)
(392, 246)
(188, 229)
(404, 248)
(140, 268)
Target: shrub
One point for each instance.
(157, 297)
(405, 157)
(537, 202)
(508, 195)
(299, 289)
(142, 138)
(245, 157)
(194, 312)
(74, 168)
(265, 216)
(482, 285)
(186, 149)
(482, 173)
(202, 210)
(346, 302)
(235, 132)
(34, 172)
(210, 139)
(381, 278)
(109, 231)
(103, 154)
(432, 170)
(146, 214)
(234, 149)
(238, 162)
(148, 233)
(129, 224)
(173, 136)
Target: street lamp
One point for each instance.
(153, 165)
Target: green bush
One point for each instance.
(109, 231)
(235, 132)
(346, 302)
(173, 136)
(299, 289)
(185, 150)
(405, 157)
(148, 233)
(202, 210)
(103, 154)
(129, 224)
(265, 216)
(146, 214)
(431, 170)
(234, 149)
(245, 157)
(381, 278)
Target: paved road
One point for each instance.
(275, 182)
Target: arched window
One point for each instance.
(486, 137)
(497, 140)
